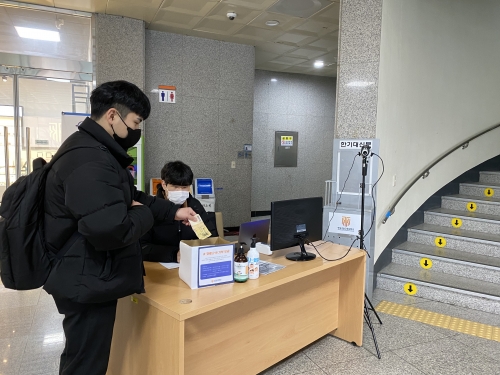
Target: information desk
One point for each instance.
(238, 328)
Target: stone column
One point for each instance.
(359, 58)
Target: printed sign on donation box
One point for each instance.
(206, 262)
(215, 265)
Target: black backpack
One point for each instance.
(25, 261)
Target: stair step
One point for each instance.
(489, 177)
(478, 189)
(448, 261)
(471, 221)
(456, 290)
(457, 239)
(460, 202)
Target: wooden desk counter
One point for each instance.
(175, 330)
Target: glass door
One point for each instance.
(38, 128)
(43, 101)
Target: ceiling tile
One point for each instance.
(329, 15)
(91, 6)
(262, 57)
(299, 8)
(257, 33)
(193, 7)
(318, 28)
(245, 15)
(133, 9)
(329, 58)
(296, 42)
(288, 60)
(172, 19)
(307, 53)
(270, 66)
(324, 43)
(286, 22)
(279, 48)
(308, 64)
(218, 27)
(293, 38)
(254, 4)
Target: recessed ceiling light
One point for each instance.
(39, 34)
(360, 83)
(319, 64)
(274, 80)
(272, 23)
(58, 80)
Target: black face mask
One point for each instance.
(133, 136)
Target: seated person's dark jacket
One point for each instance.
(161, 243)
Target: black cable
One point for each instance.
(340, 197)
(333, 260)
(373, 195)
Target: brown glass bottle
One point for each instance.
(240, 265)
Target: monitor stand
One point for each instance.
(303, 255)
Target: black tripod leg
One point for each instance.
(370, 325)
(373, 308)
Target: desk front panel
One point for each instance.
(252, 334)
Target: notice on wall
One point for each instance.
(344, 223)
(167, 94)
(287, 140)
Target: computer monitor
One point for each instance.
(294, 222)
(258, 228)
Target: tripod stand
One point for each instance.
(365, 152)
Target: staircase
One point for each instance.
(461, 239)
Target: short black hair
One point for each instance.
(177, 173)
(122, 95)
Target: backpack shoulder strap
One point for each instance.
(57, 156)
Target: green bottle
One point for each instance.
(240, 265)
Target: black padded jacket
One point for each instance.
(161, 243)
(88, 198)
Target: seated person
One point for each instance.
(161, 243)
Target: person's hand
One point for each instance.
(178, 256)
(135, 203)
(185, 214)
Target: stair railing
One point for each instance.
(424, 173)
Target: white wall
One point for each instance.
(439, 84)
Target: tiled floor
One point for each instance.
(31, 340)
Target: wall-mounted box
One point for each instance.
(286, 149)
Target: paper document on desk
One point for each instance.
(199, 228)
(170, 266)
(265, 268)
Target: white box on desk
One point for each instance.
(189, 264)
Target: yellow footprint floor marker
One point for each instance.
(471, 206)
(440, 241)
(456, 222)
(489, 192)
(440, 320)
(426, 263)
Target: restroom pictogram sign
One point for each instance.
(167, 94)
